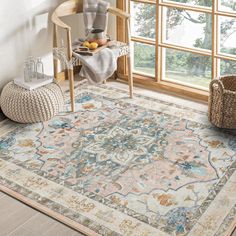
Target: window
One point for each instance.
(144, 58)
(186, 68)
(183, 42)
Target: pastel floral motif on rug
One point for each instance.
(153, 165)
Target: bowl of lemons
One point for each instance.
(91, 46)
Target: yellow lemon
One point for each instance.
(93, 46)
(86, 44)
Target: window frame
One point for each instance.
(157, 82)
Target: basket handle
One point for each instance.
(220, 86)
(219, 83)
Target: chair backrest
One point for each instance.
(70, 7)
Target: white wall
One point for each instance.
(25, 29)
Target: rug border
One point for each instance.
(65, 220)
(48, 212)
(231, 229)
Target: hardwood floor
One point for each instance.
(18, 219)
(234, 233)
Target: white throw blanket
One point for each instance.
(100, 66)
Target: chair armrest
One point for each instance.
(119, 12)
(57, 21)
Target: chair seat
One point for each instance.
(124, 49)
(59, 53)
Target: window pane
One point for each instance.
(143, 20)
(205, 3)
(188, 68)
(227, 35)
(144, 58)
(227, 5)
(227, 67)
(188, 28)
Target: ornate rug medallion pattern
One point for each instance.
(125, 167)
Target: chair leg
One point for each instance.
(115, 76)
(72, 92)
(130, 76)
(55, 67)
(55, 45)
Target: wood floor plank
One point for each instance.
(61, 230)
(21, 220)
(234, 233)
(7, 205)
(2, 195)
(22, 232)
(44, 221)
(13, 214)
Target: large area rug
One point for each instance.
(120, 166)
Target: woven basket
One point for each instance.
(222, 102)
(25, 106)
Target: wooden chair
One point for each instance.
(73, 7)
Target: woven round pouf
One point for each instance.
(31, 106)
